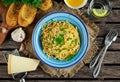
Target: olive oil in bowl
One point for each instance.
(75, 4)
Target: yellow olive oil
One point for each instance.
(75, 3)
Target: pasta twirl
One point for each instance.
(60, 40)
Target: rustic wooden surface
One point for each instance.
(110, 71)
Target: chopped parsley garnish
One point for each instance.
(69, 57)
(48, 44)
(52, 41)
(69, 38)
(60, 39)
(65, 48)
(44, 38)
(75, 41)
(62, 29)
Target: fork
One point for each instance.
(97, 61)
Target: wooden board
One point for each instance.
(106, 72)
(110, 71)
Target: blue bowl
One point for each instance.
(60, 16)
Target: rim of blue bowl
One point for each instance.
(87, 33)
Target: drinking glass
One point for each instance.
(99, 4)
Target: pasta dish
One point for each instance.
(60, 40)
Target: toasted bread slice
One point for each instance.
(26, 15)
(12, 14)
(46, 5)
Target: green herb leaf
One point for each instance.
(60, 39)
(75, 41)
(52, 41)
(34, 3)
(62, 29)
(65, 48)
(69, 57)
(48, 44)
(69, 39)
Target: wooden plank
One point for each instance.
(106, 72)
(99, 81)
(114, 46)
(9, 44)
(0, 19)
(112, 17)
(112, 57)
(3, 72)
(115, 3)
(67, 80)
(104, 28)
(2, 59)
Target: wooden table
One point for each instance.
(110, 71)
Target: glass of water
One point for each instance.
(99, 8)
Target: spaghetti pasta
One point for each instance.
(60, 40)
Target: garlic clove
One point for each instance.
(18, 35)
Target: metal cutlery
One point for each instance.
(19, 76)
(97, 61)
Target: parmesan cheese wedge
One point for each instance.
(17, 64)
